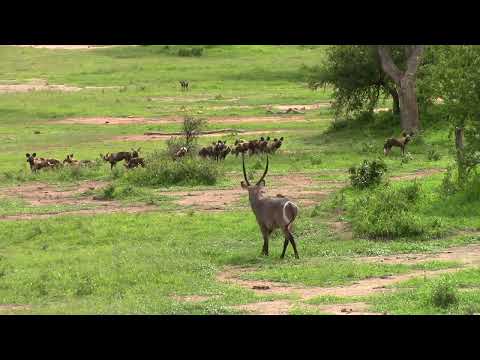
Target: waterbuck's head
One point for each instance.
(257, 190)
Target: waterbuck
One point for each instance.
(271, 212)
(399, 142)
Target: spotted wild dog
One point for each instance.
(398, 142)
(36, 163)
(116, 157)
(181, 153)
(275, 145)
(135, 162)
(184, 84)
(69, 160)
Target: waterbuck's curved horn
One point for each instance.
(264, 174)
(244, 171)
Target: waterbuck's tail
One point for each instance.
(290, 212)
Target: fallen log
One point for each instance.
(221, 131)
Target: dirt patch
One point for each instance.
(71, 47)
(277, 307)
(166, 137)
(468, 255)
(297, 187)
(360, 288)
(300, 107)
(13, 307)
(418, 174)
(342, 229)
(175, 119)
(356, 308)
(192, 298)
(16, 88)
(38, 194)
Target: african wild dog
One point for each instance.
(134, 162)
(399, 142)
(184, 84)
(116, 157)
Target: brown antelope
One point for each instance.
(271, 212)
(399, 142)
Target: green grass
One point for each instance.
(426, 296)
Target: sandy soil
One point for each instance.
(38, 194)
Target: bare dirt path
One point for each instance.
(71, 47)
(468, 256)
(176, 119)
(39, 194)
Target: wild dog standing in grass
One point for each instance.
(275, 145)
(184, 84)
(36, 163)
(399, 142)
(271, 212)
(263, 145)
(241, 147)
(223, 154)
(219, 149)
(116, 157)
(181, 153)
(207, 151)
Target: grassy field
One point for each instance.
(194, 247)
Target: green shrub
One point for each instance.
(392, 212)
(185, 171)
(368, 147)
(406, 158)
(190, 52)
(369, 173)
(433, 155)
(338, 124)
(443, 294)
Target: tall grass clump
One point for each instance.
(187, 171)
(390, 212)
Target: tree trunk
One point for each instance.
(405, 84)
(396, 101)
(407, 96)
(460, 153)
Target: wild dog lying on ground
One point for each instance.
(69, 160)
(399, 142)
(181, 153)
(134, 162)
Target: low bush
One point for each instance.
(185, 171)
(368, 174)
(389, 212)
(443, 293)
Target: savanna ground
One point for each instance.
(88, 241)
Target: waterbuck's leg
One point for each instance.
(289, 236)
(265, 233)
(285, 244)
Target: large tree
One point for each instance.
(405, 82)
(357, 78)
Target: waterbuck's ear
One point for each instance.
(243, 185)
(262, 183)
